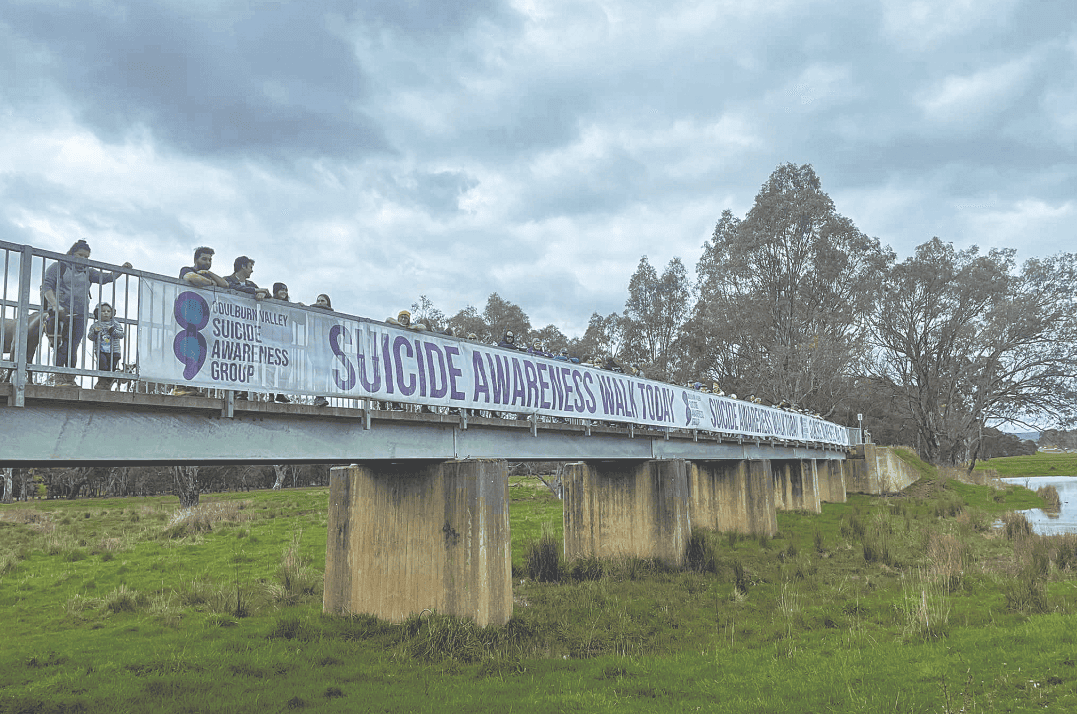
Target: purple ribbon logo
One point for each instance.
(192, 314)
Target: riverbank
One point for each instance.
(1034, 465)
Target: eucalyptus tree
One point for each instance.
(656, 310)
(501, 315)
(604, 336)
(423, 311)
(969, 339)
(784, 296)
(469, 321)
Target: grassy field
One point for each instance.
(912, 604)
(1035, 465)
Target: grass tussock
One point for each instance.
(296, 578)
(947, 559)
(203, 517)
(925, 607)
(39, 521)
(1050, 496)
(1015, 526)
(544, 558)
(700, 553)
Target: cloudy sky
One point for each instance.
(382, 149)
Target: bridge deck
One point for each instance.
(66, 426)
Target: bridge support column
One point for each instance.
(614, 509)
(831, 480)
(732, 496)
(796, 485)
(407, 537)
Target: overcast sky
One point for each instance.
(383, 149)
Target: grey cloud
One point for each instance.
(273, 81)
(425, 18)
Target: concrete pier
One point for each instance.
(735, 496)
(831, 473)
(626, 509)
(796, 485)
(409, 537)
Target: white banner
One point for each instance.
(221, 339)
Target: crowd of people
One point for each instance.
(66, 294)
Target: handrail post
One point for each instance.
(22, 324)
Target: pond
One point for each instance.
(1052, 522)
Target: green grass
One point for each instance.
(1034, 465)
(109, 606)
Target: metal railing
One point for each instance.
(45, 342)
(45, 346)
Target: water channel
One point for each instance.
(1053, 522)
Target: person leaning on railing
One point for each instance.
(322, 303)
(65, 295)
(198, 275)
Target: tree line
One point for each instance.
(793, 303)
(188, 482)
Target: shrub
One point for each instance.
(544, 558)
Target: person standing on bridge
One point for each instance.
(240, 279)
(65, 295)
(106, 334)
(199, 275)
(322, 303)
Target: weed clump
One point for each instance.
(544, 558)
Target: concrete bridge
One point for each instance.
(419, 519)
